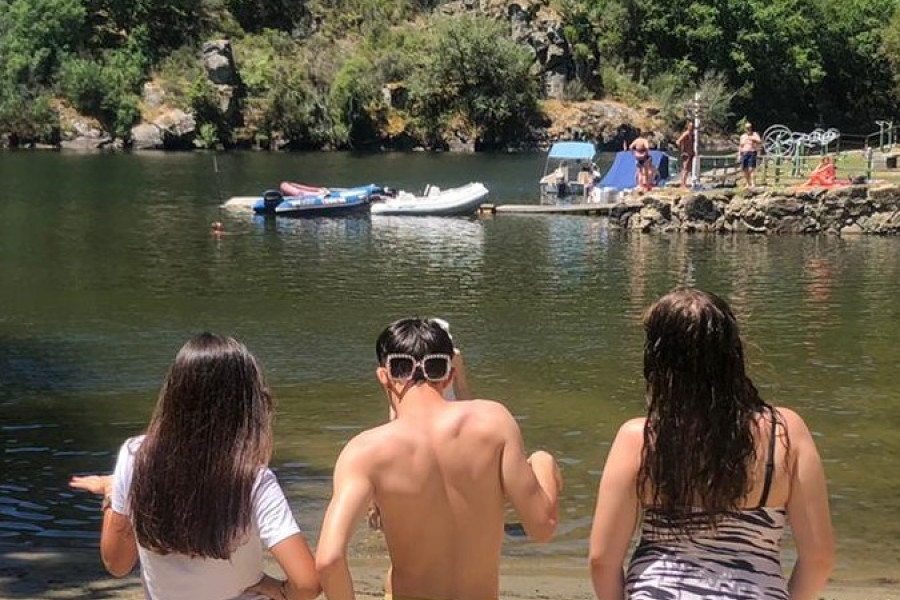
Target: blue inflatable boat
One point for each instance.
(331, 203)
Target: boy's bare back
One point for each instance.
(440, 474)
(441, 500)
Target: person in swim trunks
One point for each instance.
(440, 474)
(640, 149)
(685, 144)
(748, 150)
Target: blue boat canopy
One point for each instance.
(572, 151)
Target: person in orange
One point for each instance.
(824, 174)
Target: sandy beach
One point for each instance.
(69, 574)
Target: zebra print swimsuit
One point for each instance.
(740, 560)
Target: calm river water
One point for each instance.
(107, 266)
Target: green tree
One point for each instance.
(767, 50)
(890, 45)
(27, 117)
(286, 92)
(355, 102)
(106, 87)
(257, 15)
(294, 112)
(858, 87)
(165, 24)
(35, 35)
(473, 76)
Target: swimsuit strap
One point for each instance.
(770, 463)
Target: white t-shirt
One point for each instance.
(176, 576)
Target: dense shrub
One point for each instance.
(106, 86)
(473, 77)
(355, 103)
(27, 117)
(35, 36)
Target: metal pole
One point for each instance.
(869, 156)
(777, 164)
(695, 166)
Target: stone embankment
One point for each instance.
(845, 210)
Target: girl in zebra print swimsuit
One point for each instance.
(710, 476)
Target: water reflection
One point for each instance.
(101, 288)
(465, 234)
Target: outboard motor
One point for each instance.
(271, 199)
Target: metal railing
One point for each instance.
(788, 158)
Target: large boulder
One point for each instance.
(178, 129)
(78, 132)
(218, 60)
(146, 137)
(172, 129)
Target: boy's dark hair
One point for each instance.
(414, 336)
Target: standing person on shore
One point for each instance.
(685, 144)
(439, 473)
(748, 151)
(194, 498)
(640, 149)
(712, 474)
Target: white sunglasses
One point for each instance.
(434, 367)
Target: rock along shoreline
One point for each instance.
(846, 210)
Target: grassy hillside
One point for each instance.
(403, 73)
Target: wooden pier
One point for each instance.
(587, 208)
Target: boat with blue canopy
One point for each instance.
(569, 173)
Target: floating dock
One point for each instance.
(245, 203)
(587, 208)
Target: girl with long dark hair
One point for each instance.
(193, 498)
(710, 476)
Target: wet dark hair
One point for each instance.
(416, 337)
(210, 435)
(699, 447)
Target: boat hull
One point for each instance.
(333, 210)
(312, 206)
(454, 202)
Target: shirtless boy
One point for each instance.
(440, 473)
